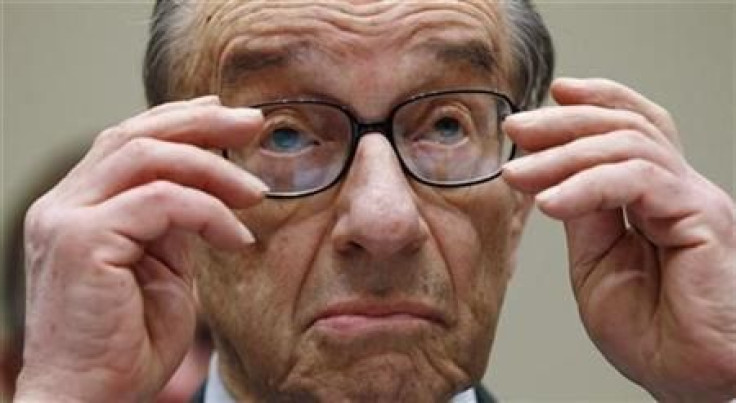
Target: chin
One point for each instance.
(411, 376)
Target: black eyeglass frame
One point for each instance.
(385, 127)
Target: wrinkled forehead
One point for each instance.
(360, 41)
(378, 20)
(344, 27)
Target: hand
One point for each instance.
(110, 307)
(652, 244)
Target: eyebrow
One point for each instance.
(245, 61)
(475, 53)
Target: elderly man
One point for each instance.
(344, 210)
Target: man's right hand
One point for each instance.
(110, 308)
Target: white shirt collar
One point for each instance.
(215, 391)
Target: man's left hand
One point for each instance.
(652, 244)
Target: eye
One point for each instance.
(287, 140)
(447, 130)
(443, 130)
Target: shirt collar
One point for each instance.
(214, 390)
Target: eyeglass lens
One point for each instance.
(442, 139)
(452, 138)
(302, 147)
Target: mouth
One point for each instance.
(359, 318)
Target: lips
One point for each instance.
(360, 317)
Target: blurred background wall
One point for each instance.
(69, 69)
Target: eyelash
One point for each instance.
(439, 113)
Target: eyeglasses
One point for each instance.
(442, 138)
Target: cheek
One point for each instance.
(250, 296)
(474, 238)
(492, 223)
(493, 227)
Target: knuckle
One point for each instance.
(113, 134)
(43, 216)
(637, 120)
(51, 229)
(662, 114)
(580, 153)
(160, 192)
(164, 107)
(203, 115)
(36, 220)
(140, 147)
(643, 168)
(632, 139)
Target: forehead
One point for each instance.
(256, 34)
(366, 19)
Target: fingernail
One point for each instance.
(207, 99)
(576, 83)
(515, 118)
(517, 164)
(571, 80)
(248, 114)
(253, 181)
(520, 119)
(258, 184)
(245, 235)
(548, 194)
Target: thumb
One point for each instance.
(589, 238)
(170, 314)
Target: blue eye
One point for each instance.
(287, 140)
(447, 131)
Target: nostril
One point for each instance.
(383, 231)
(352, 247)
(377, 213)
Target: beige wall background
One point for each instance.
(70, 69)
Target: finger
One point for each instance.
(157, 110)
(637, 184)
(547, 127)
(207, 126)
(672, 211)
(144, 160)
(610, 94)
(536, 172)
(170, 106)
(148, 212)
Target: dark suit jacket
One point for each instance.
(481, 394)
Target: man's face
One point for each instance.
(378, 288)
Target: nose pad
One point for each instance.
(377, 211)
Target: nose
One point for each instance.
(377, 210)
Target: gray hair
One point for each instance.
(157, 64)
(531, 47)
(532, 53)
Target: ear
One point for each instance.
(522, 207)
